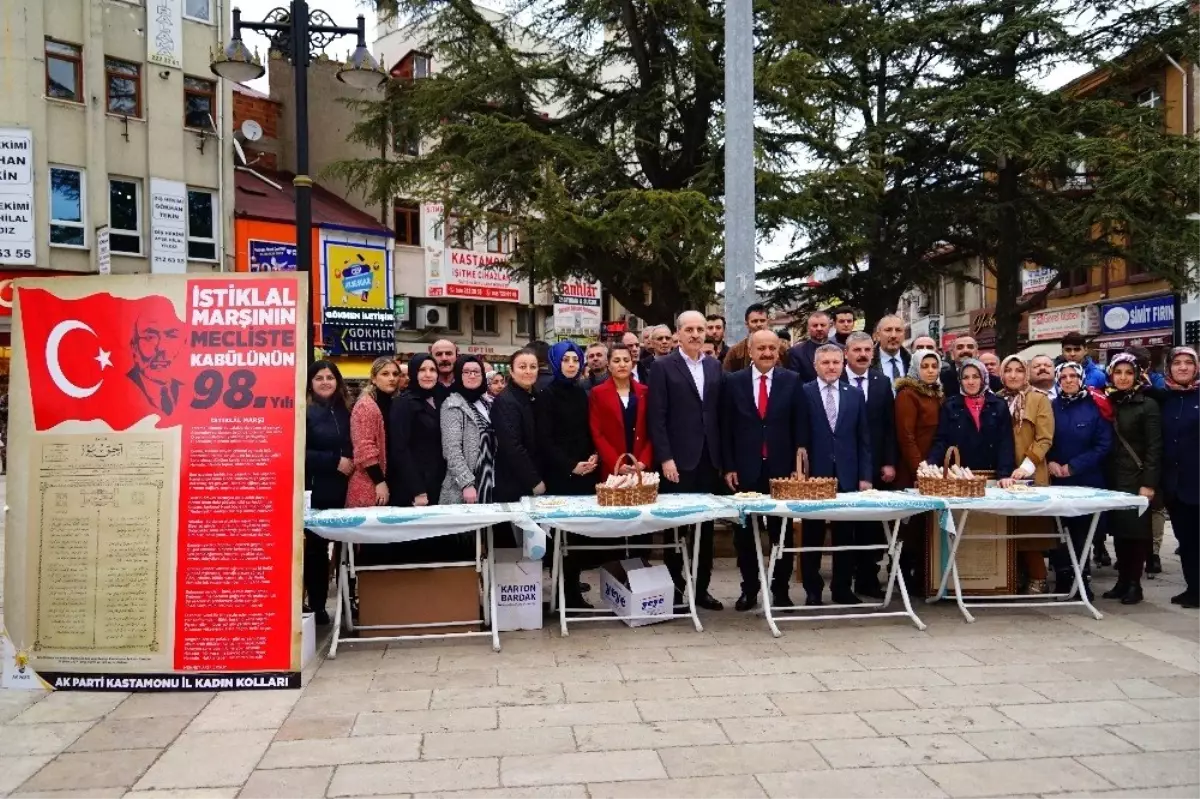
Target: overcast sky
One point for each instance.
(345, 11)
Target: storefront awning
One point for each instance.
(1148, 338)
(1050, 348)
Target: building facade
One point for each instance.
(111, 140)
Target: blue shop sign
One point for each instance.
(1134, 316)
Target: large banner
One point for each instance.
(155, 481)
(357, 318)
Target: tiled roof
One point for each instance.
(260, 200)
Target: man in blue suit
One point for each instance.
(682, 412)
(761, 418)
(876, 388)
(839, 445)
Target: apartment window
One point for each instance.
(125, 216)
(460, 235)
(1149, 98)
(485, 319)
(960, 295)
(420, 66)
(199, 103)
(1076, 279)
(64, 71)
(124, 87)
(202, 225)
(198, 9)
(498, 240)
(524, 315)
(407, 224)
(406, 141)
(68, 191)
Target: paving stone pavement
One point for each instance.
(1021, 703)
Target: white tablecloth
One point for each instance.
(582, 515)
(1049, 501)
(875, 506)
(397, 525)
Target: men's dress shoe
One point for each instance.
(846, 598)
(813, 600)
(746, 602)
(708, 602)
(1187, 600)
(780, 599)
(1118, 591)
(1133, 596)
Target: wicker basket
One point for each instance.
(801, 486)
(627, 497)
(947, 486)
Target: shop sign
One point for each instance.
(1157, 340)
(612, 329)
(1036, 279)
(357, 284)
(103, 250)
(164, 33)
(373, 337)
(1133, 316)
(454, 272)
(16, 197)
(577, 307)
(927, 326)
(168, 227)
(400, 307)
(1054, 323)
(271, 256)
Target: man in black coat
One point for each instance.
(961, 349)
(881, 422)
(682, 417)
(844, 319)
(761, 419)
(801, 356)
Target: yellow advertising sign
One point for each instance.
(357, 277)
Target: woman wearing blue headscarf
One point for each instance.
(567, 455)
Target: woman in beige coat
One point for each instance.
(1033, 433)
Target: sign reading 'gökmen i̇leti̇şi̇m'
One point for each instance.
(155, 484)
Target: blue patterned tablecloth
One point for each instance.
(1048, 501)
(583, 516)
(396, 525)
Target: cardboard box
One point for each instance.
(633, 588)
(518, 591)
(308, 639)
(418, 596)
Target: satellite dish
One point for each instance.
(252, 130)
(241, 154)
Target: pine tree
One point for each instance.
(590, 131)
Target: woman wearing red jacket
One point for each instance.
(617, 415)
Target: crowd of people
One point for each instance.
(710, 418)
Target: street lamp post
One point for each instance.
(297, 33)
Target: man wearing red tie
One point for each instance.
(760, 428)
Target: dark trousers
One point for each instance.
(316, 570)
(1077, 530)
(1185, 521)
(812, 534)
(747, 557)
(1131, 558)
(866, 566)
(701, 480)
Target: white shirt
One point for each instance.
(636, 376)
(758, 376)
(853, 378)
(837, 395)
(696, 367)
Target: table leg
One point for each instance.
(343, 601)
(690, 564)
(951, 571)
(482, 567)
(762, 575)
(896, 575)
(560, 585)
(1077, 569)
(489, 587)
(554, 578)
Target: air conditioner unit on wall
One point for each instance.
(431, 317)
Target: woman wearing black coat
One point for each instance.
(568, 456)
(518, 473)
(978, 423)
(328, 465)
(418, 466)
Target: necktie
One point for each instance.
(830, 407)
(762, 406)
(895, 368)
(861, 390)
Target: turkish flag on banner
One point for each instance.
(103, 358)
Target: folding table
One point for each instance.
(583, 516)
(889, 508)
(1056, 501)
(398, 525)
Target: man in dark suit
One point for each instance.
(761, 418)
(881, 421)
(839, 445)
(800, 357)
(682, 416)
(890, 356)
(961, 349)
